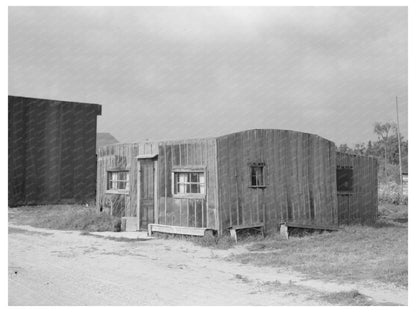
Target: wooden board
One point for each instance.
(52, 151)
(187, 211)
(122, 156)
(360, 205)
(299, 170)
(169, 229)
(146, 193)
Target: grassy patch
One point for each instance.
(242, 278)
(116, 239)
(216, 242)
(390, 193)
(64, 217)
(353, 253)
(344, 298)
(27, 232)
(389, 213)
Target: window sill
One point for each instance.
(189, 196)
(125, 192)
(257, 186)
(345, 193)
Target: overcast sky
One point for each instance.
(177, 72)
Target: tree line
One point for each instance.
(386, 148)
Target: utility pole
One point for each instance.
(400, 149)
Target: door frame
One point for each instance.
(152, 157)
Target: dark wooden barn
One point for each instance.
(52, 151)
(246, 179)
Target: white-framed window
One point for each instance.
(118, 181)
(257, 174)
(188, 182)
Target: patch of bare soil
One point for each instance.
(66, 268)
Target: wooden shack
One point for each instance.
(357, 188)
(250, 178)
(52, 151)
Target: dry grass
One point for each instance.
(116, 239)
(389, 213)
(390, 193)
(209, 241)
(347, 298)
(64, 217)
(32, 233)
(376, 252)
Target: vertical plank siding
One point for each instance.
(122, 157)
(52, 156)
(178, 211)
(361, 205)
(194, 212)
(299, 175)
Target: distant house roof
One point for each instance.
(105, 138)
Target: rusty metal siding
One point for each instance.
(51, 151)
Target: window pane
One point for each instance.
(260, 176)
(189, 183)
(182, 188)
(183, 177)
(257, 176)
(122, 175)
(201, 178)
(253, 176)
(194, 177)
(118, 180)
(344, 180)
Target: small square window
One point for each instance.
(257, 175)
(117, 180)
(345, 180)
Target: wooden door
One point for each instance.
(146, 191)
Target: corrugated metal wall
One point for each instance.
(300, 179)
(360, 205)
(51, 151)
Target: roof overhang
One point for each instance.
(147, 156)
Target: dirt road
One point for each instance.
(49, 267)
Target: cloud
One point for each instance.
(215, 69)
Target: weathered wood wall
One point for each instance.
(361, 205)
(51, 151)
(123, 157)
(193, 212)
(300, 178)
